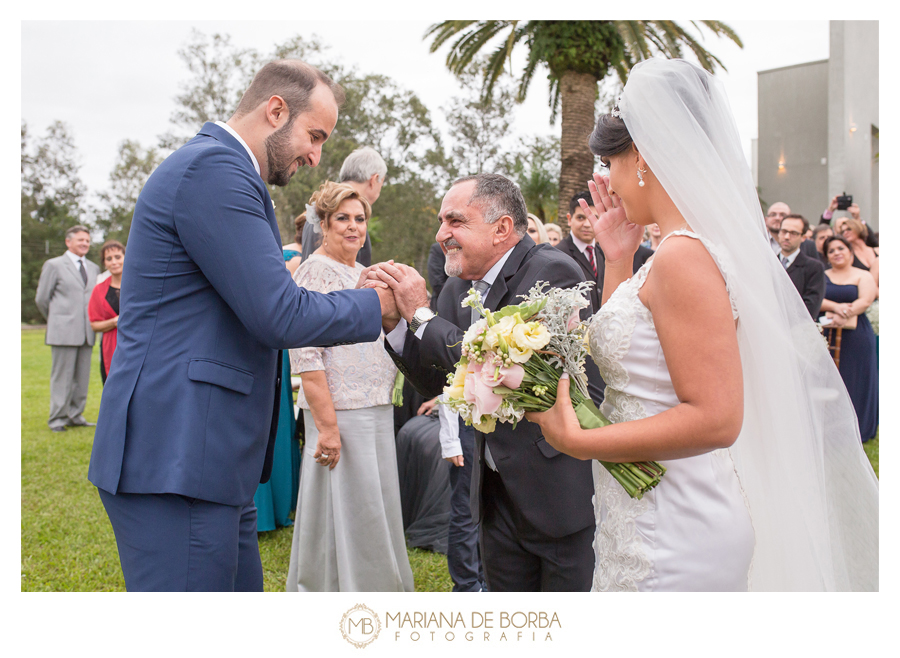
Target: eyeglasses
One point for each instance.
(793, 234)
(777, 214)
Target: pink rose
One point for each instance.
(476, 392)
(495, 373)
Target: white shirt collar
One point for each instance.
(494, 272)
(791, 258)
(580, 244)
(234, 134)
(75, 259)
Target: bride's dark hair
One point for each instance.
(610, 136)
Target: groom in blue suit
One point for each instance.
(189, 412)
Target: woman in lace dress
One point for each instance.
(713, 367)
(348, 530)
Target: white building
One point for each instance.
(818, 127)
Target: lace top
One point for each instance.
(636, 537)
(358, 376)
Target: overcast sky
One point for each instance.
(116, 80)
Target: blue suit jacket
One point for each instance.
(190, 405)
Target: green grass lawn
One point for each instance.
(67, 541)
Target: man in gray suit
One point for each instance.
(363, 170)
(62, 297)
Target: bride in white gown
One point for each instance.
(713, 367)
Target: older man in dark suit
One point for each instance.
(807, 274)
(533, 502)
(580, 245)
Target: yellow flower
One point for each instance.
(502, 329)
(517, 355)
(487, 425)
(532, 336)
(455, 390)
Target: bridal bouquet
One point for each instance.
(512, 360)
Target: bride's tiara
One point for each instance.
(616, 112)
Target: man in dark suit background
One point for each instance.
(807, 274)
(582, 247)
(533, 502)
(188, 415)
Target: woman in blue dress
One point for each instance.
(849, 291)
(276, 499)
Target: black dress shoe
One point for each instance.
(58, 429)
(84, 424)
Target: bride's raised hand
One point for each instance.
(618, 238)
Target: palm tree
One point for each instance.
(578, 54)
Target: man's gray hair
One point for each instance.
(362, 164)
(78, 228)
(498, 196)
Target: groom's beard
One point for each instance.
(278, 156)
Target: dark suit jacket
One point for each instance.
(808, 247)
(312, 240)
(567, 246)
(808, 276)
(552, 490)
(206, 304)
(437, 277)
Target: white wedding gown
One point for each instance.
(693, 531)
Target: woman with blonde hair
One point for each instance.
(864, 256)
(348, 530)
(554, 233)
(536, 229)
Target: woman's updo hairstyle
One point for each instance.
(328, 198)
(610, 136)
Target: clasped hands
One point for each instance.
(401, 290)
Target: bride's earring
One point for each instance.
(640, 173)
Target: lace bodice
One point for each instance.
(626, 348)
(358, 376)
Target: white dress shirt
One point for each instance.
(582, 247)
(790, 259)
(234, 134)
(77, 260)
(449, 435)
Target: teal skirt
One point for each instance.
(277, 498)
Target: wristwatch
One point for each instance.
(420, 317)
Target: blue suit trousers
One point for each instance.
(172, 543)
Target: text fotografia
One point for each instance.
(477, 626)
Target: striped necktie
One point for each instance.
(590, 256)
(82, 270)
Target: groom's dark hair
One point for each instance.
(291, 79)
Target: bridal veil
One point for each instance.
(812, 494)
